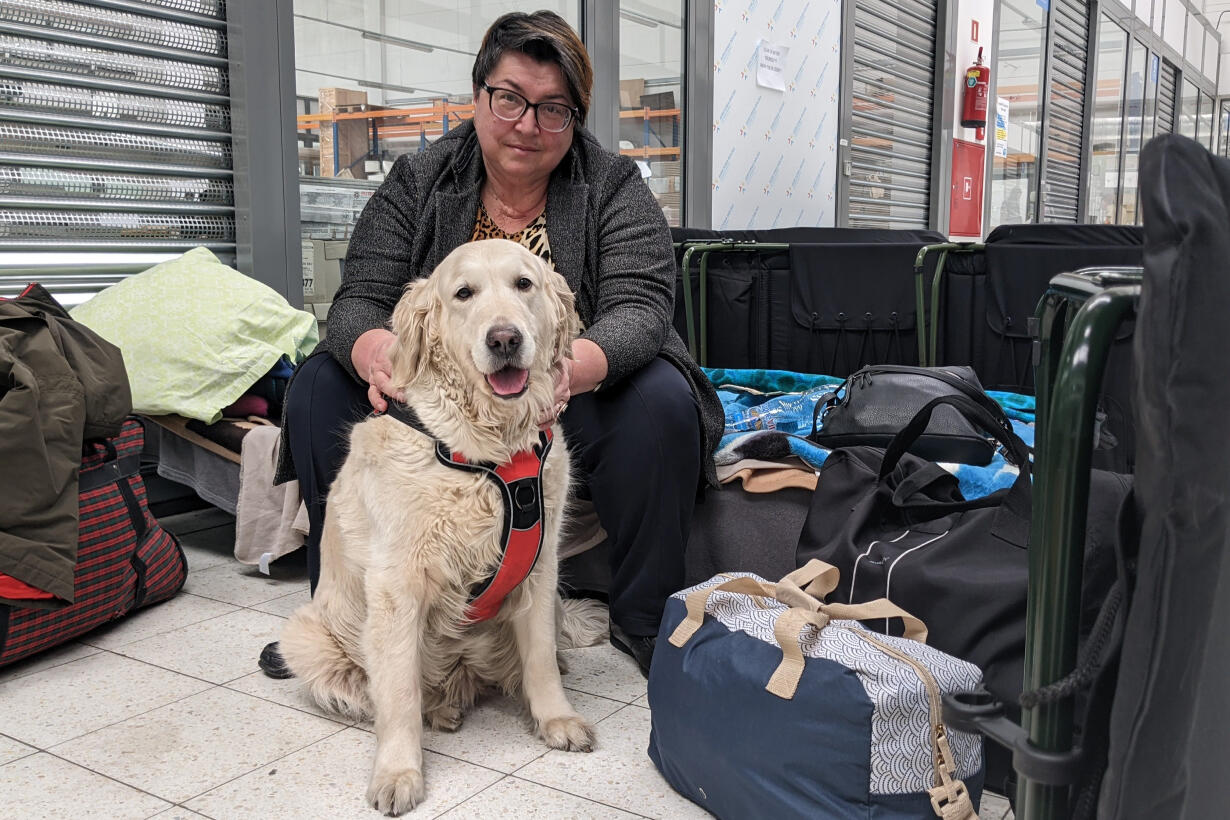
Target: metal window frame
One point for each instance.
(697, 63)
(261, 38)
(845, 114)
(988, 172)
(1091, 74)
(942, 107)
(600, 33)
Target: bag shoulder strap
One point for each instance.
(974, 412)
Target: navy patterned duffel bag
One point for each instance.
(767, 702)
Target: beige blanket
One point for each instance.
(270, 521)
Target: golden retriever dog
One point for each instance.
(406, 538)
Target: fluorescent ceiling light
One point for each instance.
(397, 41)
(634, 17)
(387, 86)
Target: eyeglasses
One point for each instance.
(510, 106)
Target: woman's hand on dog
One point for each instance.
(370, 356)
(562, 371)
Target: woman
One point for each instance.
(636, 409)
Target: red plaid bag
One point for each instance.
(125, 559)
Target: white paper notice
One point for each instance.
(771, 66)
(1001, 127)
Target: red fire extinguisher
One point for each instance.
(974, 102)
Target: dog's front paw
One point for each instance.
(394, 792)
(444, 718)
(571, 733)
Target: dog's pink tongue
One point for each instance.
(508, 381)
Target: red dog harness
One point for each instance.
(520, 485)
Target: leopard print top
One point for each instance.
(533, 236)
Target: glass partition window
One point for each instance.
(651, 98)
(1144, 10)
(1149, 123)
(1189, 105)
(1106, 136)
(1018, 67)
(378, 80)
(375, 81)
(1194, 48)
(1223, 129)
(1133, 124)
(1204, 128)
(1176, 20)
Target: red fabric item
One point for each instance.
(16, 590)
(247, 405)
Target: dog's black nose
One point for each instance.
(504, 339)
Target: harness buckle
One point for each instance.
(525, 497)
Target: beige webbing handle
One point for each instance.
(789, 627)
(805, 587)
(696, 600)
(809, 585)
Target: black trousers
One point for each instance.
(636, 449)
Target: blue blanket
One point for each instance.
(769, 414)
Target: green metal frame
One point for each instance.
(705, 248)
(1078, 318)
(930, 358)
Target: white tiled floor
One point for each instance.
(164, 715)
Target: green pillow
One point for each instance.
(196, 334)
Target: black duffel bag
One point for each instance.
(897, 527)
(876, 402)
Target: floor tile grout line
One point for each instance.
(334, 734)
(33, 751)
(96, 649)
(112, 778)
(138, 714)
(339, 730)
(159, 634)
(581, 796)
(461, 803)
(335, 719)
(596, 695)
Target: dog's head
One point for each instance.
(491, 319)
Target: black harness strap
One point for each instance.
(520, 486)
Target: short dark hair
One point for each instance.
(543, 36)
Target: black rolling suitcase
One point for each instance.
(814, 300)
(987, 295)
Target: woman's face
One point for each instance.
(519, 150)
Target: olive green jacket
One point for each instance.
(60, 384)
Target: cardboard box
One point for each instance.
(630, 92)
(352, 139)
(661, 101)
(322, 269)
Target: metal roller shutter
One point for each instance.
(892, 68)
(115, 139)
(1167, 99)
(1065, 111)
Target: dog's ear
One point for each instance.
(564, 312)
(414, 321)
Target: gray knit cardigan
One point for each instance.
(608, 238)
